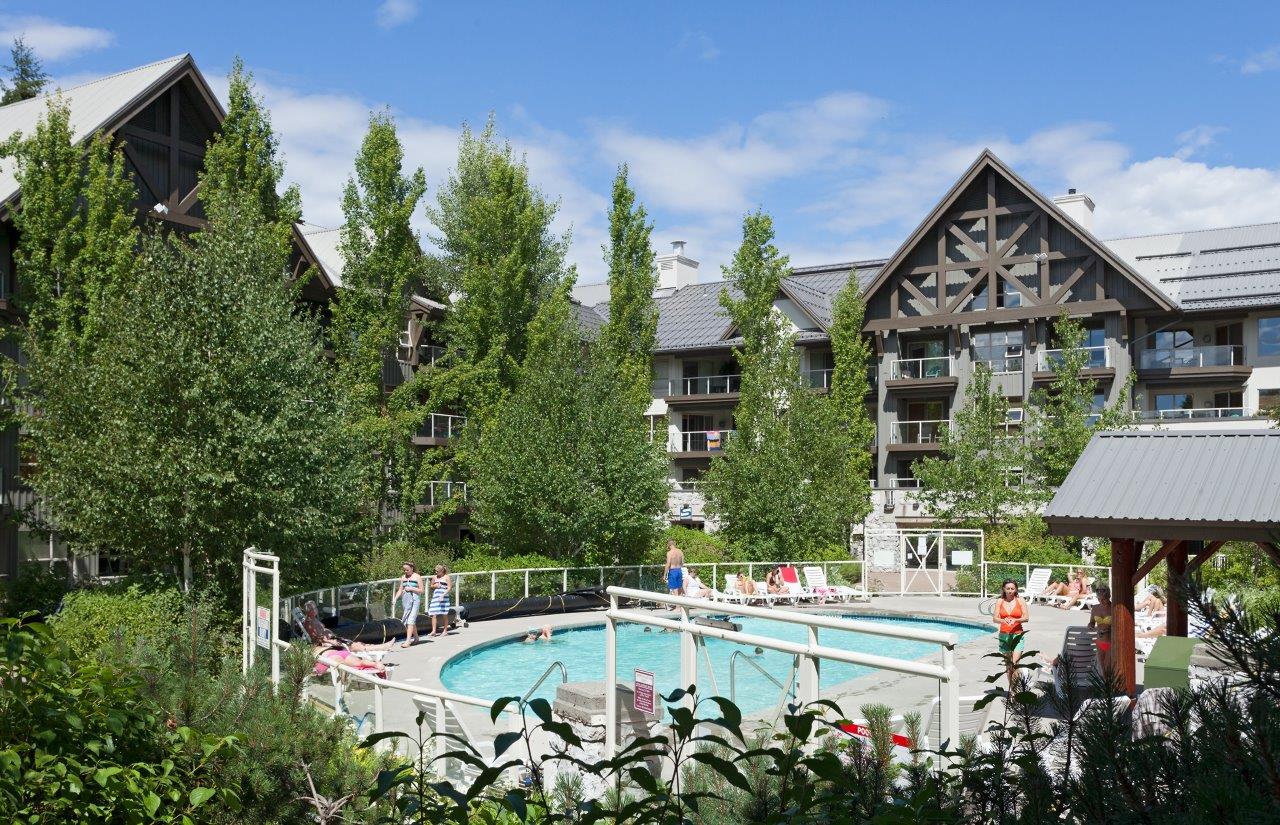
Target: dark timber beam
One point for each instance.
(1175, 611)
(1124, 561)
(1159, 556)
(995, 316)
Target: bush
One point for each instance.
(1028, 540)
(38, 587)
(700, 547)
(116, 619)
(386, 560)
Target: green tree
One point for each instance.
(852, 353)
(499, 255)
(979, 478)
(564, 467)
(27, 78)
(632, 330)
(383, 265)
(781, 487)
(1063, 417)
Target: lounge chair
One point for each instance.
(730, 592)
(974, 721)
(797, 592)
(1079, 647)
(816, 579)
(1036, 584)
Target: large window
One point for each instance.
(1268, 399)
(1174, 401)
(1001, 350)
(1269, 336)
(1172, 339)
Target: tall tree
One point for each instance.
(27, 78)
(849, 383)
(564, 467)
(1063, 417)
(632, 330)
(979, 477)
(501, 259)
(781, 486)
(383, 265)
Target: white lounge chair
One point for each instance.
(1079, 647)
(730, 592)
(974, 721)
(1036, 584)
(816, 579)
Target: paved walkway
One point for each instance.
(422, 664)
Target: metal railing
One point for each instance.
(709, 385)
(1049, 359)
(1191, 414)
(1225, 355)
(442, 425)
(688, 485)
(786, 690)
(438, 492)
(938, 366)
(1008, 365)
(564, 677)
(917, 432)
(820, 379)
(703, 441)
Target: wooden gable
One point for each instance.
(995, 250)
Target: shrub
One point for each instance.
(386, 560)
(116, 619)
(700, 547)
(38, 587)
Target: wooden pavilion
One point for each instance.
(1191, 490)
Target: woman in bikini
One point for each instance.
(409, 591)
(333, 654)
(1011, 614)
(1100, 620)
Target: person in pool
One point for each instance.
(673, 570)
(533, 634)
(1100, 620)
(1011, 614)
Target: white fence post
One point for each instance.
(526, 584)
(807, 689)
(377, 712)
(950, 708)
(611, 682)
(688, 660)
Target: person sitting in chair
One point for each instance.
(318, 634)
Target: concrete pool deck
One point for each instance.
(422, 664)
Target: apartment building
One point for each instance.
(1194, 316)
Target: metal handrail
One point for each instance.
(1046, 357)
(917, 432)
(938, 366)
(1220, 355)
(733, 681)
(698, 444)
(1193, 412)
(713, 384)
(564, 677)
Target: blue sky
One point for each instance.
(845, 122)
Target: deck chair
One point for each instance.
(1079, 647)
(974, 721)
(797, 592)
(816, 579)
(1036, 583)
(762, 592)
(730, 592)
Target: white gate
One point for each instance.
(258, 623)
(927, 562)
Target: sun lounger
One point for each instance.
(1036, 584)
(1079, 647)
(730, 592)
(816, 580)
(797, 591)
(974, 721)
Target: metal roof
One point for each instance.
(324, 245)
(1235, 266)
(1201, 484)
(92, 106)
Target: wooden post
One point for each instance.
(1175, 622)
(1124, 558)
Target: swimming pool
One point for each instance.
(509, 668)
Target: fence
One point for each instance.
(995, 572)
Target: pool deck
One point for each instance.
(421, 665)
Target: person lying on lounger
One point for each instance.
(318, 634)
(337, 654)
(1153, 603)
(1077, 590)
(693, 586)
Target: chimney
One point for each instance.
(674, 269)
(1078, 207)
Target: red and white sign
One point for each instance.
(644, 692)
(864, 732)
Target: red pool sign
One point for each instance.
(644, 691)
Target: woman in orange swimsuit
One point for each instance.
(1011, 614)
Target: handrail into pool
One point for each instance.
(564, 677)
(810, 652)
(733, 681)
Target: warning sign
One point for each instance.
(644, 691)
(264, 627)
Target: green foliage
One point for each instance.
(385, 560)
(38, 587)
(699, 546)
(27, 78)
(782, 484)
(632, 330)
(1062, 416)
(115, 619)
(977, 478)
(564, 466)
(1027, 539)
(852, 353)
(80, 743)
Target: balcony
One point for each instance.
(1217, 362)
(430, 354)
(1097, 364)
(1200, 414)
(916, 436)
(701, 443)
(929, 374)
(703, 388)
(442, 492)
(439, 430)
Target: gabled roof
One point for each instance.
(101, 104)
(1186, 484)
(322, 242)
(1227, 268)
(987, 161)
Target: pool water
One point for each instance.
(510, 668)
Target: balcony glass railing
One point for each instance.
(1203, 413)
(1165, 359)
(917, 432)
(687, 485)
(443, 426)
(704, 441)
(429, 354)
(708, 385)
(1049, 359)
(919, 368)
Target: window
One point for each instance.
(1269, 337)
(1232, 400)
(978, 300)
(1268, 399)
(1172, 339)
(1010, 297)
(1174, 401)
(925, 411)
(1001, 350)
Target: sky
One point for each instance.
(844, 121)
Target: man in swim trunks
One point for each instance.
(674, 569)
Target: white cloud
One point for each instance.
(1263, 61)
(392, 13)
(700, 44)
(51, 40)
(1196, 138)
